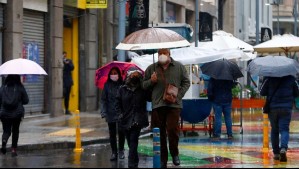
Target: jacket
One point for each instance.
(220, 91)
(67, 73)
(175, 74)
(19, 111)
(286, 91)
(131, 107)
(108, 101)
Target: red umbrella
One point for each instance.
(103, 72)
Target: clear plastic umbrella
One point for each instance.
(21, 67)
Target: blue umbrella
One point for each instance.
(222, 69)
(273, 66)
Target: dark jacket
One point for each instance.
(286, 91)
(220, 91)
(108, 101)
(131, 106)
(175, 74)
(67, 73)
(23, 100)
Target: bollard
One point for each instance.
(156, 148)
(78, 148)
(266, 134)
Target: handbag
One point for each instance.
(266, 108)
(170, 93)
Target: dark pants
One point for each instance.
(113, 131)
(167, 119)
(10, 126)
(280, 124)
(66, 95)
(133, 138)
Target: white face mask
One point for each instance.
(163, 59)
(114, 78)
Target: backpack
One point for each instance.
(10, 98)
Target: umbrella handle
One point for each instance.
(255, 85)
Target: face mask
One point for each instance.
(135, 80)
(163, 59)
(114, 78)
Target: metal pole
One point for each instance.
(278, 17)
(196, 22)
(295, 17)
(122, 28)
(257, 38)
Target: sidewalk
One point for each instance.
(45, 132)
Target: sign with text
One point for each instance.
(138, 15)
(96, 3)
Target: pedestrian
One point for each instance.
(131, 107)
(220, 94)
(68, 67)
(13, 96)
(108, 111)
(166, 115)
(281, 93)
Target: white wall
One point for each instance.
(37, 5)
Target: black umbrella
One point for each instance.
(222, 70)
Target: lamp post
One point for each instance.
(276, 2)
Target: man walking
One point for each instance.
(166, 115)
(68, 67)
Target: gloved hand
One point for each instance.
(103, 115)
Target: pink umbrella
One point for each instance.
(103, 72)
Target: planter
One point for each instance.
(248, 103)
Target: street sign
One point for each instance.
(96, 3)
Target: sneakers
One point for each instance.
(230, 137)
(121, 155)
(277, 157)
(3, 150)
(283, 155)
(14, 152)
(113, 157)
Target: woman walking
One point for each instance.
(12, 98)
(131, 107)
(108, 112)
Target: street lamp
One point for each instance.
(276, 2)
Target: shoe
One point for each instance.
(3, 150)
(68, 112)
(121, 154)
(215, 138)
(283, 155)
(277, 157)
(176, 161)
(14, 152)
(230, 137)
(163, 165)
(113, 157)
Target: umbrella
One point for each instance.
(273, 66)
(152, 38)
(222, 70)
(21, 67)
(223, 40)
(193, 55)
(103, 72)
(279, 43)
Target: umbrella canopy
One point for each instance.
(222, 70)
(103, 72)
(152, 38)
(192, 55)
(279, 43)
(21, 67)
(273, 66)
(224, 40)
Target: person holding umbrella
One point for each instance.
(108, 111)
(281, 93)
(131, 108)
(13, 96)
(166, 115)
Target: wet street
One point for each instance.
(196, 150)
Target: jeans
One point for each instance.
(11, 126)
(280, 123)
(113, 131)
(226, 109)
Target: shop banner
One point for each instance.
(96, 3)
(138, 15)
(31, 52)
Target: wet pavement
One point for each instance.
(49, 142)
